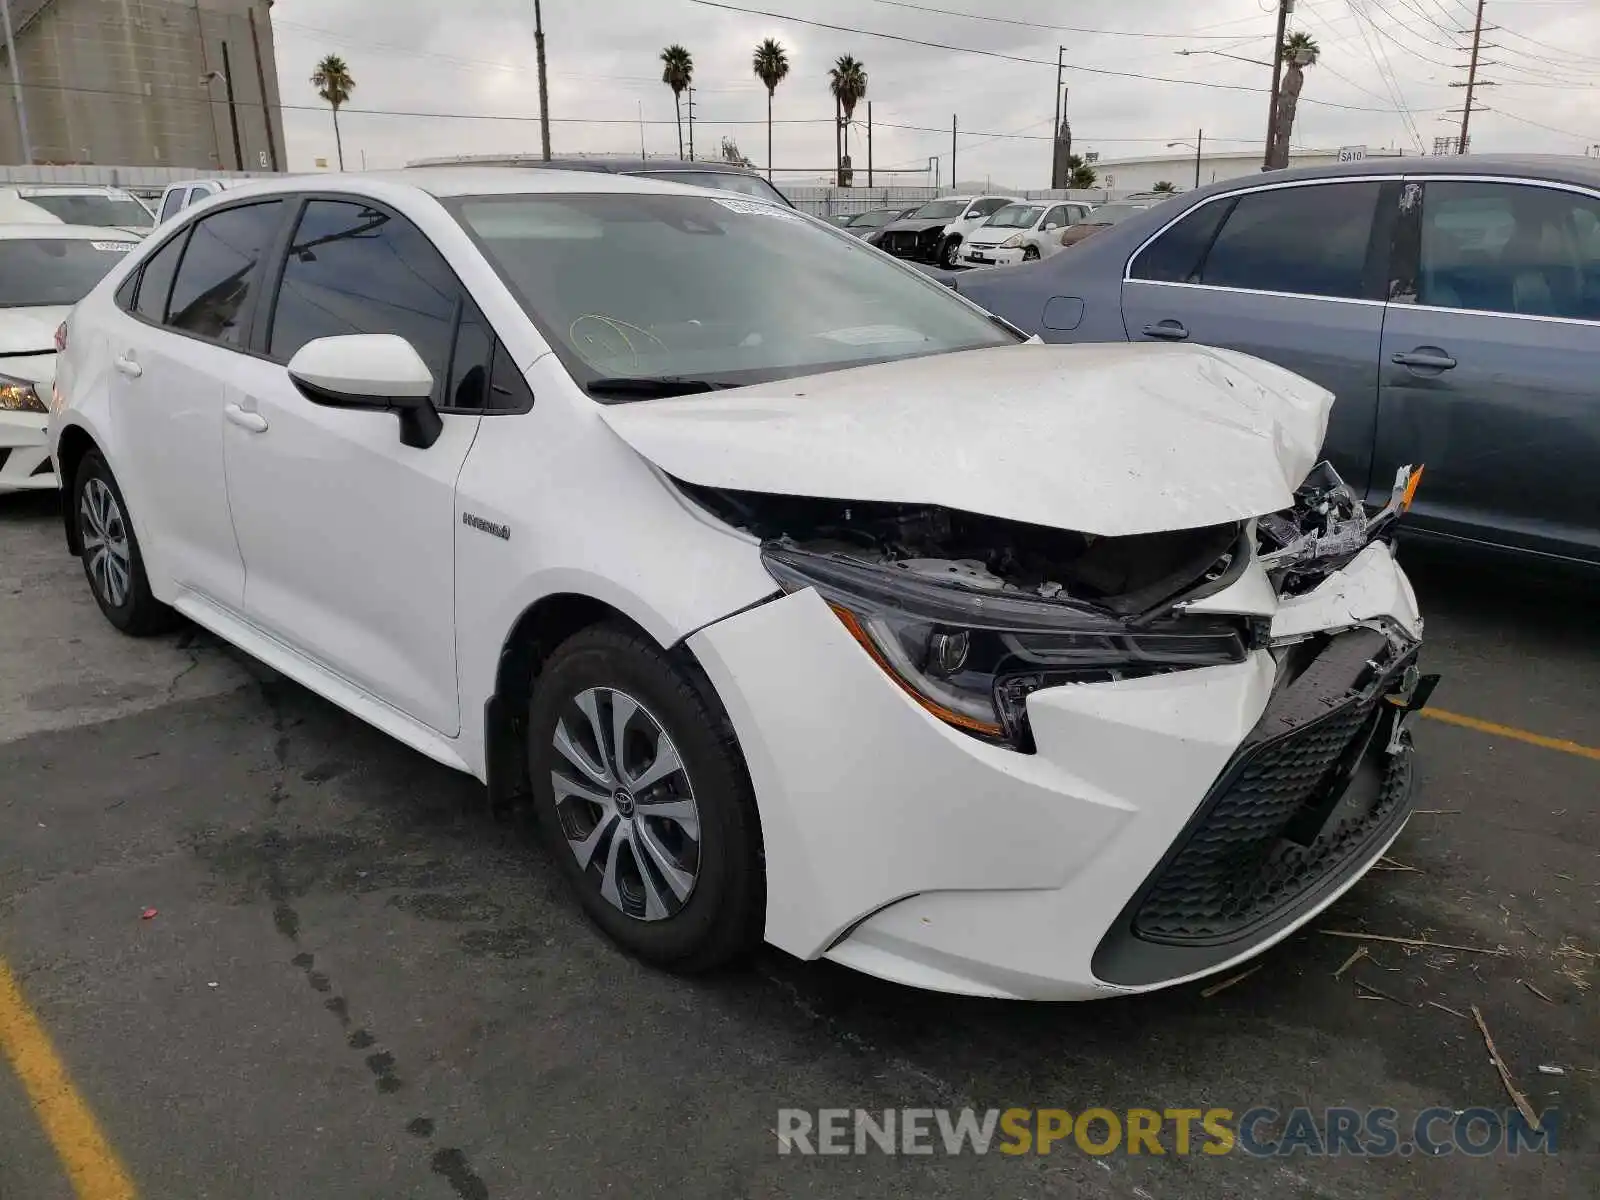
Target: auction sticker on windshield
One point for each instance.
(754, 208)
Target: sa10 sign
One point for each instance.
(1352, 153)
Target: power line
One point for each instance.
(1040, 62)
(1583, 137)
(946, 12)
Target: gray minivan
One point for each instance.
(1452, 305)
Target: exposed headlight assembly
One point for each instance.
(1012, 243)
(972, 655)
(19, 395)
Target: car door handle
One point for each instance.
(128, 366)
(1427, 357)
(245, 419)
(1167, 331)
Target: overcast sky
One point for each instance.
(475, 58)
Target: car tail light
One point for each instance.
(61, 338)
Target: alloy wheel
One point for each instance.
(104, 533)
(625, 804)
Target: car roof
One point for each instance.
(43, 231)
(67, 189)
(444, 182)
(1558, 168)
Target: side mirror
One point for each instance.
(972, 215)
(377, 371)
(1051, 227)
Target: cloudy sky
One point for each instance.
(459, 79)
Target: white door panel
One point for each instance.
(167, 399)
(348, 539)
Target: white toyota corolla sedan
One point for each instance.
(796, 596)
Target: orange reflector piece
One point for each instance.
(1411, 488)
(948, 715)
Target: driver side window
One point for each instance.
(352, 268)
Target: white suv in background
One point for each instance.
(179, 196)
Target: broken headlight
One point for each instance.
(971, 656)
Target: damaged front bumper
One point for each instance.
(1163, 825)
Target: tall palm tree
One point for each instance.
(677, 72)
(847, 80)
(1300, 50)
(334, 83)
(771, 65)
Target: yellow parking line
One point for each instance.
(1507, 731)
(91, 1164)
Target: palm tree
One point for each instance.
(334, 83)
(771, 65)
(1080, 175)
(1300, 50)
(677, 72)
(1165, 188)
(847, 80)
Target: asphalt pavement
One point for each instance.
(352, 982)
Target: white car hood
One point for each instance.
(1109, 439)
(31, 330)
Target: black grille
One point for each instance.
(1286, 815)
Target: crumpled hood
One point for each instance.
(1110, 439)
(916, 224)
(31, 330)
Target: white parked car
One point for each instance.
(933, 233)
(176, 197)
(795, 595)
(75, 204)
(1022, 232)
(44, 270)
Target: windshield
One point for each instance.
(39, 271)
(875, 219)
(1110, 214)
(941, 210)
(1015, 216)
(722, 181)
(712, 290)
(93, 208)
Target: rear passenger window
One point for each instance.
(1175, 256)
(214, 293)
(1311, 240)
(356, 269)
(155, 280)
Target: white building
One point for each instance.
(1177, 166)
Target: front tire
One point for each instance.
(1030, 254)
(948, 253)
(643, 798)
(110, 552)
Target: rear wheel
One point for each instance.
(644, 800)
(110, 552)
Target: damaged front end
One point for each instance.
(971, 614)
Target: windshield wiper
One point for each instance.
(652, 387)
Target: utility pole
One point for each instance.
(1199, 140)
(233, 109)
(869, 143)
(1055, 129)
(1473, 82)
(544, 89)
(691, 123)
(839, 146)
(16, 84)
(1285, 7)
(954, 178)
